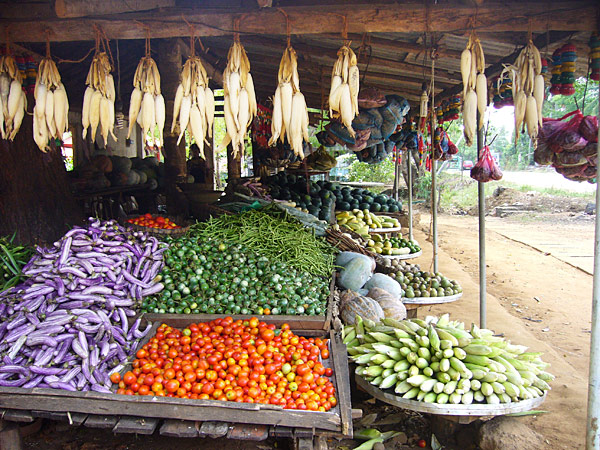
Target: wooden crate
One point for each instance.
(125, 413)
(300, 322)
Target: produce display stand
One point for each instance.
(300, 322)
(458, 413)
(183, 417)
(409, 256)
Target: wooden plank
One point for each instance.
(99, 421)
(342, 377)
(213, 429)
(248, 432)
(409, 17)
(179, 428)
(137, 425)
(76, 419)
(282, 432)
(10, 438)
(15, 415)
(304, 443)
(82, 8)
(50, 415)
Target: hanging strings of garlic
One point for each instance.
(51, 111)
(99, 99)
(194, 103)
(345, 82)
(290, 114)
(240, 100)
(528, 90)
(475, 96)
(13, 101)
(147, 105)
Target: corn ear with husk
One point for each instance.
(147, 105)
(345, 84)
(475, 95)
(98, 111)
(12, 97)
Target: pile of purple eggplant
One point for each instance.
(66, 326)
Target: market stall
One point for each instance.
(272, 306)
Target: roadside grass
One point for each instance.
(461, 191)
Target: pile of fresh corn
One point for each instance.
(51, 111)
(147, 105)
(290, 115)
(99, 99)
(362, 221)
(475, 96)
(438, 361)
(194, 103)
(240, 100)
(13, 101)
(345, 82)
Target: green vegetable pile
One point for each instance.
(425, 284)
(272, 233)
(12, 259)
(439, 361)
(205, 275)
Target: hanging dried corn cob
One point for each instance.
(528, 90)
(194, 103)
(475, 96)
(13, 101)
(240, 99)
(290, 114)
(99, 98)
(51, 111)
(343, 94)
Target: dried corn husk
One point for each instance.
(12, 97)
(147, 105)
(99, 100)
(345, 84)
(475, 96)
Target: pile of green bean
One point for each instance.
(12, 259)
(272, 233)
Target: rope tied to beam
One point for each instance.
(288, 27)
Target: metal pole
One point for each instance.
(481, 198)
(434, 210)
(593, 407)
(410, 196)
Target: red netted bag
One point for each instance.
(589, 128)
(486, 168)
(563, 136)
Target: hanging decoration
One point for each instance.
(13, 101)
(556, 71)
(475, 98)
(444, 148)
(98, 111)
(568, 59)
(147, 105)
(502, 94)
(595, 56)
(51, 111)
(194, 104)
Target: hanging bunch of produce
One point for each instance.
(147, 105)
(240, 100)
(290, 115)
(595, 56)
(194, 103)
(345, 82)
(13, 101)
(475, 97)
(51, 111)
(528, 90)
(486, 168)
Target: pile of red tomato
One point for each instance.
(241, 361)
(150, 221)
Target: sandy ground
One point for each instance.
(533, 298)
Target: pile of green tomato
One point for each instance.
(210, 277)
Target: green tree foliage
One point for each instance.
(381, 173)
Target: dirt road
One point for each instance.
(533, 298)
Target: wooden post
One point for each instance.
(10, 439)
(169, 64)
(234, 165)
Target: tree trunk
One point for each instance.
(169, 64)
(35, 197)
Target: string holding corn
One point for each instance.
(475, 95)
(194, 104)
(240, 100)
(290, 114)
(528, 90)
(147, 105)
(99, 99)
(13, 101)
(51, 111)
(345, 83)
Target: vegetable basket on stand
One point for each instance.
(182, 225)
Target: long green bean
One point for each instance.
(12, 259)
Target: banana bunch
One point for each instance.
(13, 101)
(475, 96)
(528, 90)
(240, 99)
(194, 103)
(99, 99)
(51, 111)
(147, 105)
(438, 361)
(290, 115)
(345, 82)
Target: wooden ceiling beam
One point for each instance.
(86, 8)
(492, 16)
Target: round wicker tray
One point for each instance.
(409, 256)
(431, 300)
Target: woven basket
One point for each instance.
(338, 240)
(158, 232)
